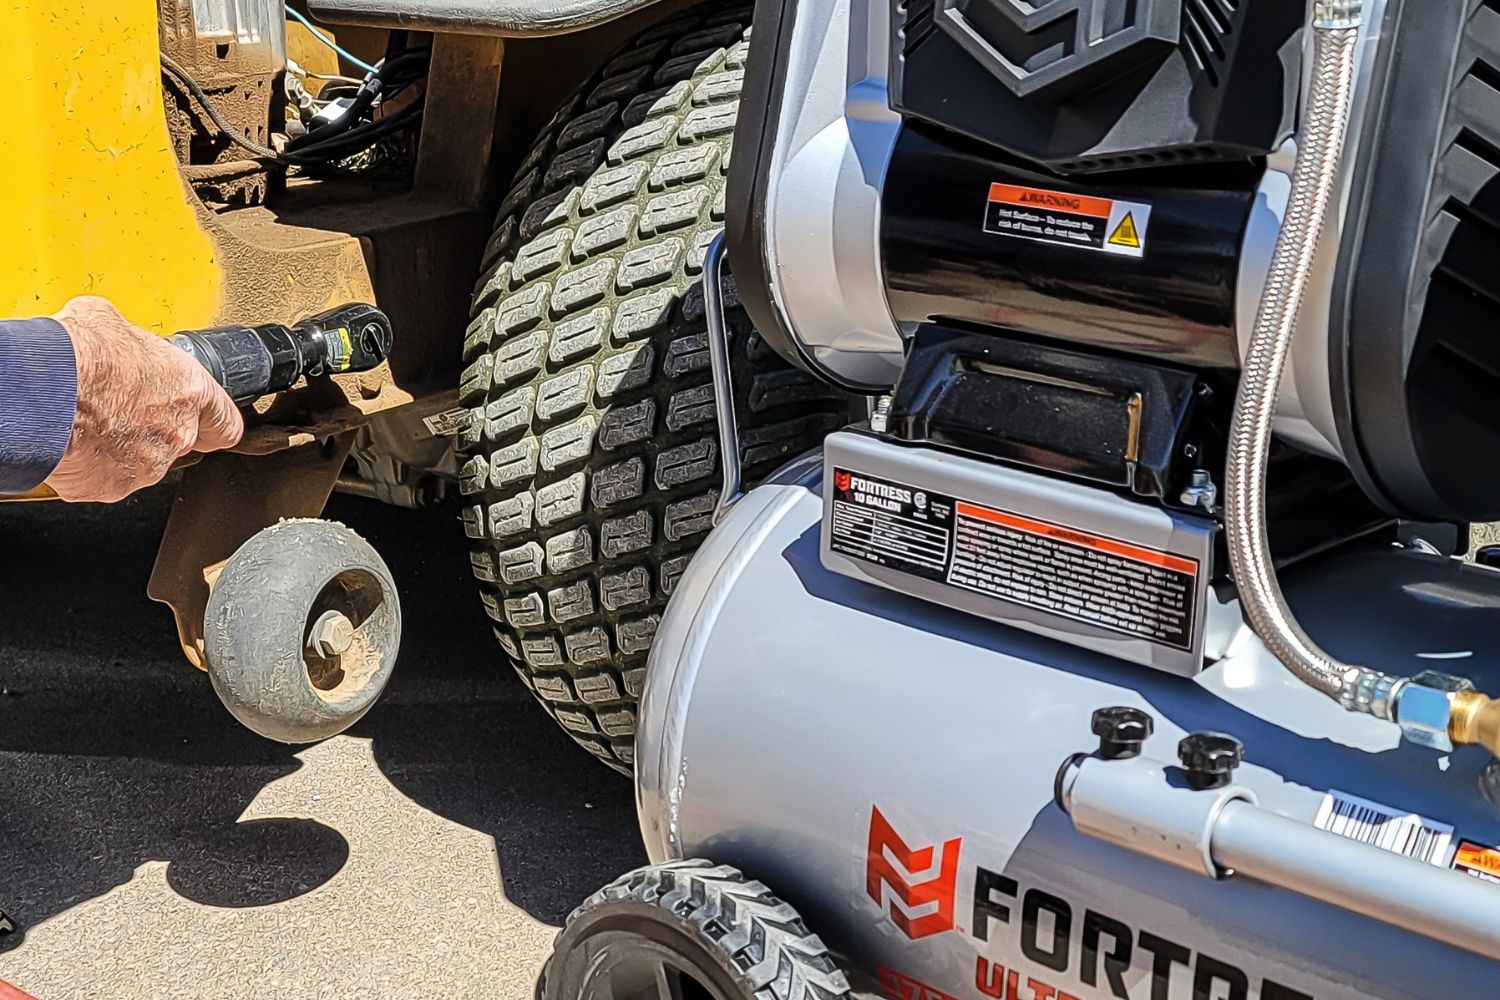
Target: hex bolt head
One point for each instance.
(1210, 758)
(331, 635)
(1200, 490)
(1121, 730)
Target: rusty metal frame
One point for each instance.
(413, 253)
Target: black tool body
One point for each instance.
(254, 361)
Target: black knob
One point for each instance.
(1210, 758)
(1121, 731)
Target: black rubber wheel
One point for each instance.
(686, 930)
(270, 660)
(591, 459)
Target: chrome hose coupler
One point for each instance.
(1424, 708)
(1338, 15)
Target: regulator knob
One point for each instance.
(1210, 758)
(1121, 730)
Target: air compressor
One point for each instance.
(1125, 650)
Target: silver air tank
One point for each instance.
(888, 766)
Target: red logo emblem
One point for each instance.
(891, 863)
(842, 479)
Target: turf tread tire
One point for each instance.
(590, 450)
(759, 939)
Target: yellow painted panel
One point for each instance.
(91, 201)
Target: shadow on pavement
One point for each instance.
(114, 752)
(457, 731)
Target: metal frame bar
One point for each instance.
(718, 355)
(507, 18)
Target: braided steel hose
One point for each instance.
(1336, 31)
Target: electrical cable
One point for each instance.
(345, 135)
(298, 16)
(230, 132)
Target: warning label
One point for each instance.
(1073, 220)
(1112, 584)
(1477, 861)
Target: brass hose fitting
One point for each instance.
(1474, 720)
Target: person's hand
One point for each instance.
(142, 404)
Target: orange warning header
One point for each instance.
(1477, 857)
(1057, 201)
(1080, 538)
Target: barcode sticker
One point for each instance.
(1389, 829)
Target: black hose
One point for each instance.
(220, 122)
(344, 136)
(384, 81)
(356, 139)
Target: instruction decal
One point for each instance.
(1106, 225)
(1477, 861)
(447, 423)
(1386, 827)
(1119, 586)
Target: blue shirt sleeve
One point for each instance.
(38, 400)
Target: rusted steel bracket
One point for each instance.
(513, 18)
(222, 501)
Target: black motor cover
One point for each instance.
(1087, 85)
(1175, 302)
(1416, 315)
(1170, 107)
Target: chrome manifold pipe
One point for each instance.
(1335, 27)
(1225, 832)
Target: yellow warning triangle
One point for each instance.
(1125, 234)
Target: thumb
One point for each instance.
(219, 422)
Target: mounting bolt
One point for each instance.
(880, 416)
(1200, 490)
(1121, 731)
(1210, 758)
(331, 635)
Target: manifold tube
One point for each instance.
(1336, 31)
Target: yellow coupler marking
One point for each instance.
(91, 201)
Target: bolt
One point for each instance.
(1121, 731)
(1210, 758)
(1200, 490)
(331, 635)
(880, 417)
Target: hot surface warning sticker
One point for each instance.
(1477, 861)
(1072, 220)
(1112, 584)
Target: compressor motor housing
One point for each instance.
(1070, 263)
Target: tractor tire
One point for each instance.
(590, 452)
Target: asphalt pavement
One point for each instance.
(151, 848)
